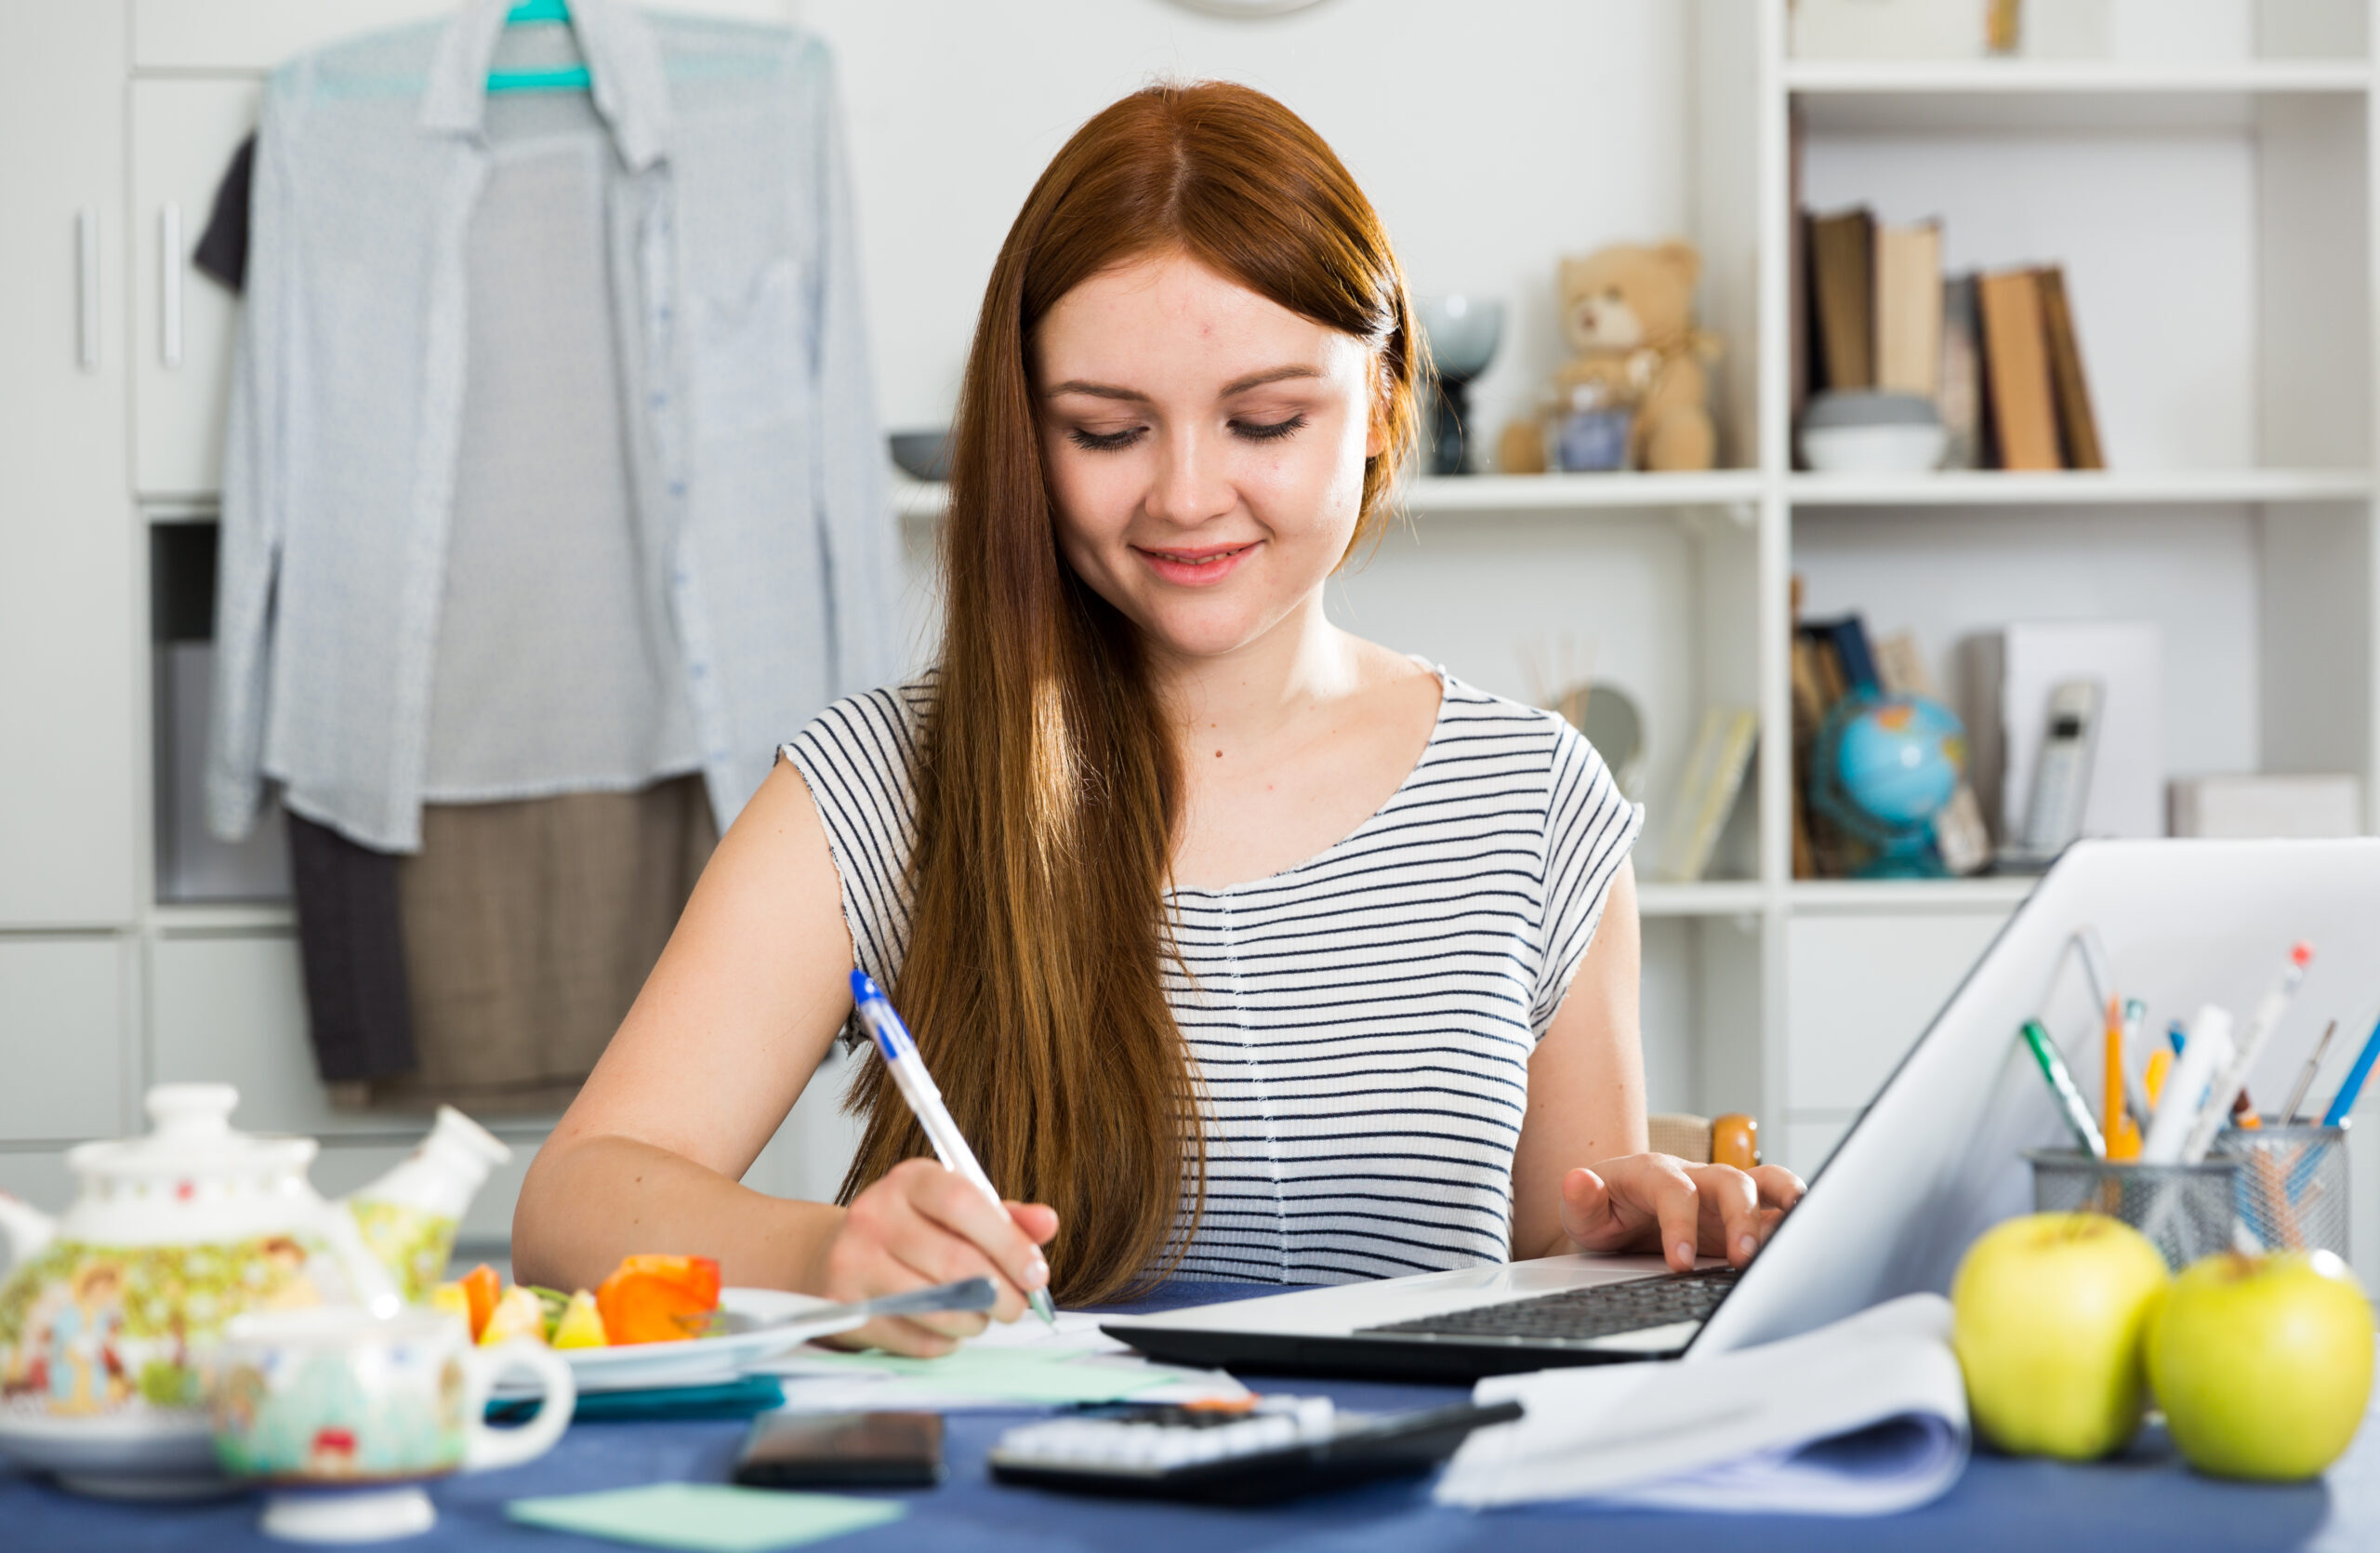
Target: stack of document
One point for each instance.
(1867, 1417)
(1021, 1363)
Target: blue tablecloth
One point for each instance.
(2148, 1499)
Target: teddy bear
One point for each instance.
(1628, 313)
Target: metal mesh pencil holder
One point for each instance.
(2291, 1189)
(2185, 1210)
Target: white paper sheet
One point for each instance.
(1865, 1417)
(832, 1387)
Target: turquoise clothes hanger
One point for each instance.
(567, 78)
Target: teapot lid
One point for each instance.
(192, 1136)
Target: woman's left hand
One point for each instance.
(1648, 1201)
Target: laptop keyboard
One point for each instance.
(1579, 1315)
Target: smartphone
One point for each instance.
(841, 1450)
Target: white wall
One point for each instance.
(1494, 137)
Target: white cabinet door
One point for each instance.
(1861, 989)
(69, 634)
(62, 1036)
(183, 135)
(231, 1008)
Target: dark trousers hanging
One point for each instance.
(490, 969)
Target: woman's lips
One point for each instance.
(1196, 567)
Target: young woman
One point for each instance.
(1240, 948)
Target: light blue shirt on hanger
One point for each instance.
(749, 465)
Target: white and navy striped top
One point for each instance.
(1362, 1023)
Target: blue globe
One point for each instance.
(1897, 760)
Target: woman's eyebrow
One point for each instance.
(1272, 375)
(1134, 396)
(1099, 390)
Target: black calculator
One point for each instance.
(1276, 1448)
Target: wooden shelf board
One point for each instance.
(1867, 97)
(1561, 493)
(2142, 488)
(1990, 893)
(1488, 494)
(2077, 76)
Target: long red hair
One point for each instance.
(1046, 782)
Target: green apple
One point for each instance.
(2046, 1319)
(2263, 1364)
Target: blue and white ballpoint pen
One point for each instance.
(917, 1086)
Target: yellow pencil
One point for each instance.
(2123, 1134)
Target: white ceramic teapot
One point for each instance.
(109, 1313)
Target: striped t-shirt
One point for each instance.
(1362, 1022)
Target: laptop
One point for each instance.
(1934, 1160)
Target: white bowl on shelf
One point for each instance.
(1863, 431)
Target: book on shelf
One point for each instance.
(2023, 405)
(1799, 351)
(1853, 652)
(1810, 704)
(1810, 710)
(1909, 307)
(1822, 681)
(1714, 774)
(2078, 428)
(1900, 666)
(1843, 255)
(1958, 397)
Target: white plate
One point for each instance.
(698, 1360)
(132, 1456)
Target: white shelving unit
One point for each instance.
(2238, 512)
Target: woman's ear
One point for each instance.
(1384, 392)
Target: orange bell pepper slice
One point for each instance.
(482, 1288)
(657, 1299)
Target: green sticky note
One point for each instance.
(705, 1518)
(1010, 1374)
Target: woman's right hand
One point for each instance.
(923, 1225)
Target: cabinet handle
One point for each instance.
(169, 279)
(86, 288)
